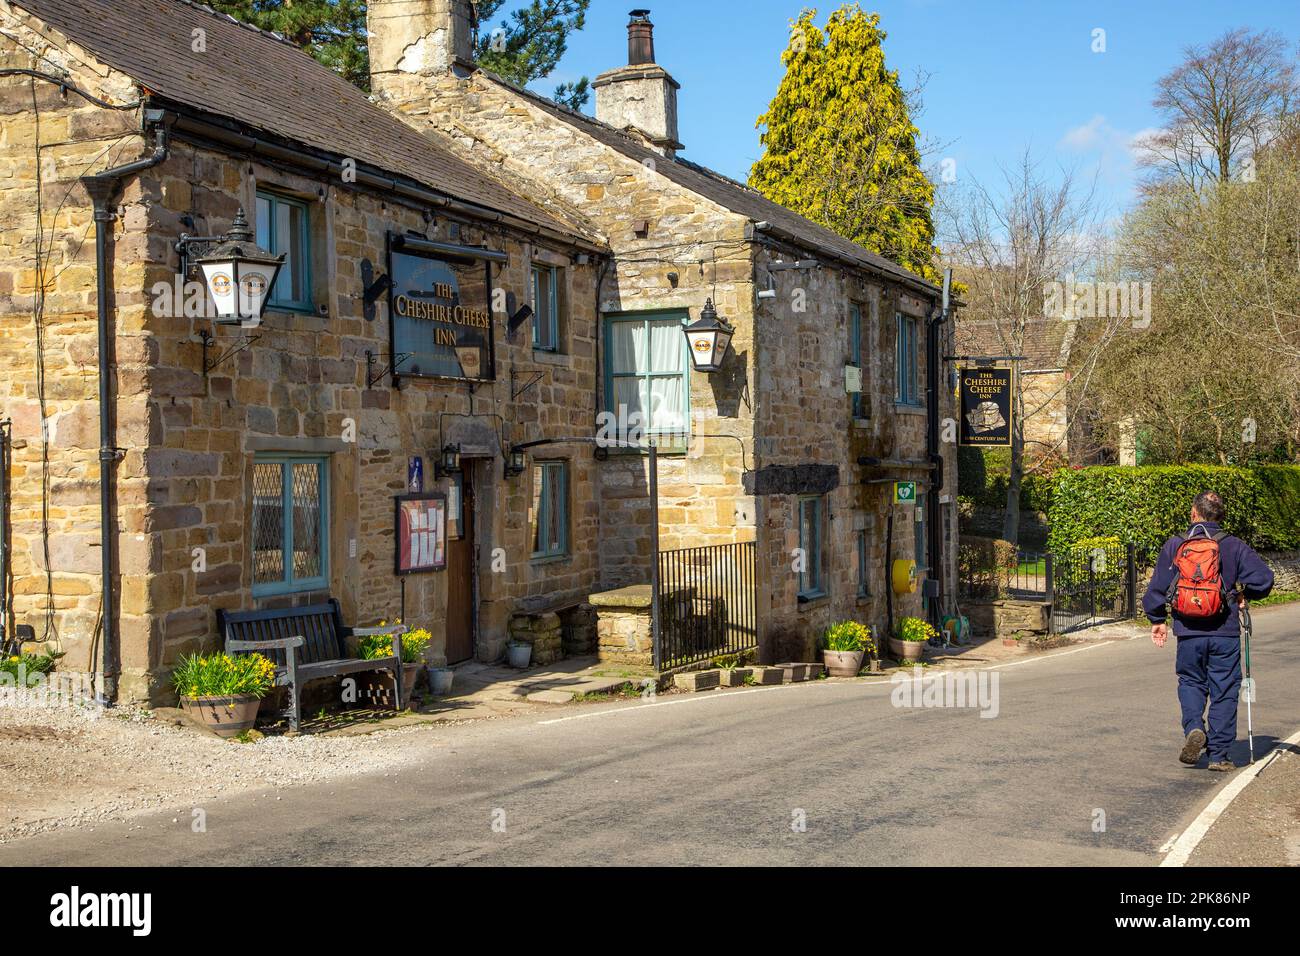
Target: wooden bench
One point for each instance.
(305, 644)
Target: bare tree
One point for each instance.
(1008, 248)
(1220, 105)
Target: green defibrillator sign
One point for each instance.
(904, 492)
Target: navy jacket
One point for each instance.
(1238, 564)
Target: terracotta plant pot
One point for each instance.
(224, 716)
(410, 674)
(907, 650)
(843, 663)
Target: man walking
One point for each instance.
(1196, 578)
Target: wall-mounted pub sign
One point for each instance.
(986, 407)
(440, 310)
(421, 533)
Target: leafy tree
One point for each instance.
(526, 47)
(840, 145)
(532, 43)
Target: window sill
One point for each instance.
(906, 408)
(538, 559)
(808, 602)
(862, 423)
(552, 357)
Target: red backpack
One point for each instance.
(1197, 590)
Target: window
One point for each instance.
(290, 524)
(282, 228)
(864, 577)
(646, 372)
(855, 353)
(905, 360)
(546, 308)
(550, 512)
(812, 580)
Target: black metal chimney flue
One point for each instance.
(640, 38)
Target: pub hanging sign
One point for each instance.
(440, 315)
(986, 407)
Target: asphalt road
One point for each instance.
(724, 777)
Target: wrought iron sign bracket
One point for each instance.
(515, 393)
(208, 339)
(374, 379)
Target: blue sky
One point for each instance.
(1004, 74)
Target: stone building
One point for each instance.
(770, 446)
(259, 466)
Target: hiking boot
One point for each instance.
(1193, 747)
(1222, 766)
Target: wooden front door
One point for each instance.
(461, 583)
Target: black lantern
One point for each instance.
(449, 460)
(516, 462)
(708, 339)
(238, 273)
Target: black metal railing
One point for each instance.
(1085, 585)
(705, 604)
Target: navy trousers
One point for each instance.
(1209, 667)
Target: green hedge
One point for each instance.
(1147, 504)
(982, 476)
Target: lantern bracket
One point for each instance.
(191, 248)
(208, 339)
(374, 379)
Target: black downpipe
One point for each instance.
(933, 384)
(103, 188)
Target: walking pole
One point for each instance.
(1247, 682)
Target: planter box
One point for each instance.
(767, 675)
(735, 677)
(795, 672)
(696, 680)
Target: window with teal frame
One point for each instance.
(647, 371)
(812, 533)
(290, 524)
(550, 509)
(546, 308)
(283, 227)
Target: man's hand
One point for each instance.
(1159, 634)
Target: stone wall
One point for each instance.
(48, 345)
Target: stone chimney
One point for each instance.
(641, 94)
(411, 40)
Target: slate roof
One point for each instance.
(263, 81)
(1046, 341)
(724, 191)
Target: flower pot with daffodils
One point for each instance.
(223, 691)
(844, 645)
(913, 632)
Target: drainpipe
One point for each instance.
(933, 385)
(103, 188)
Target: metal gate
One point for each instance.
(1090, 586)
(704, 604)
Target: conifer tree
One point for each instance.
(840, 146)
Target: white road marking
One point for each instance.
(1190, 838)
